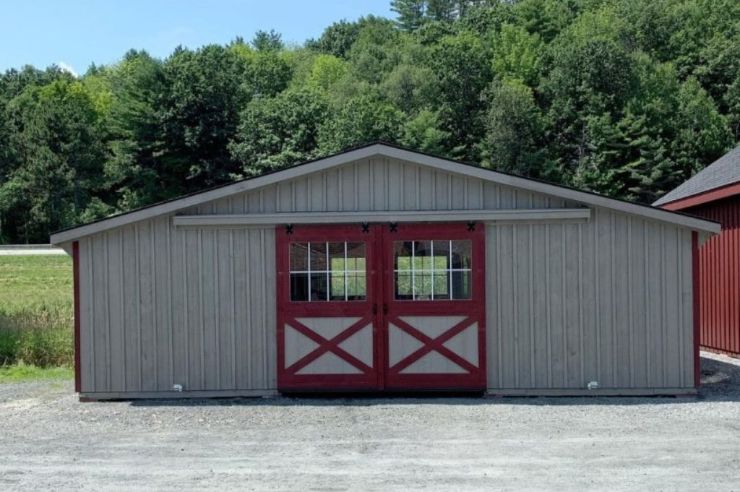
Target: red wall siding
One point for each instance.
(719, 267)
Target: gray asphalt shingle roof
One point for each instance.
(722, 172)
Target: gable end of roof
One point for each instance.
(387, 150)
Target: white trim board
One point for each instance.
(515, 215)
(392, 152)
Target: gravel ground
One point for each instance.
(50, 441)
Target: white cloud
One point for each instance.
(67, 68)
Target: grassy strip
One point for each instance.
(23, 372)
(36, 315)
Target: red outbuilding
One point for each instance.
(714, 194)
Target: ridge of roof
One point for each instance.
(367, 150)
(722, 172)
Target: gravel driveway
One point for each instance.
(49, 440)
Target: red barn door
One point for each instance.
(327, 305)
(368, 307)
(434, 307)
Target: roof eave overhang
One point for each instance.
(702, 198)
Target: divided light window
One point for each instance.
(432, 270)
(327, 271)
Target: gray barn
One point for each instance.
(383, 269)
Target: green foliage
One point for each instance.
(623, 97)
(462, 69)
(514, 135)
(267, 41)
(199, 112)
(517, 54)
(326, 71)
(36, 312)
(360, 120)
(413, 14)
(275, 132)
(24, 372)
(56, 136)
(423, 133)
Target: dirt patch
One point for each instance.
(49, 440)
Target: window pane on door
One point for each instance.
(299, 257)
(461, 252)
(441, 284)
(328, 271)
(403, 286)
(356, 287)
(298, 286)
(432, 270)
(355, 257)
(461, 285)
(402, 255)
(317, 253)
(319, 289)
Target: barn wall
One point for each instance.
(163, 306)
(609, 301)
(719, 271)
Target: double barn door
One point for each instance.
(373, 307)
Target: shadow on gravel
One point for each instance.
(720, 381)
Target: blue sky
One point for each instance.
(76, 33)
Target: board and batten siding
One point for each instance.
(377, 184)
(606, 300)
(163, 306)
(609, 301)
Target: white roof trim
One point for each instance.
(393, 152)
(514, 215)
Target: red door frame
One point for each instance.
(288, 311)
(379, 253)
(473, 309)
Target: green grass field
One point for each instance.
(36, 315)
(20, 372)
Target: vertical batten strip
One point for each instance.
(515, 310)
(563, 306)
(549, 301)
(581, 351)
(232, 300)
(186, 308)
(630, 311)
(217, 304)
(263, 311)
(201, 313)
(106, 306)
(153, 286)
(137, 255)
(170, 301)
(250, 307)
(680, 304)
(663, 305)
(612, 301)
(532, 353)
(597, 290)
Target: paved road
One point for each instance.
(6, 251)
(49, 440)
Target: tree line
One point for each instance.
(623, 97)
